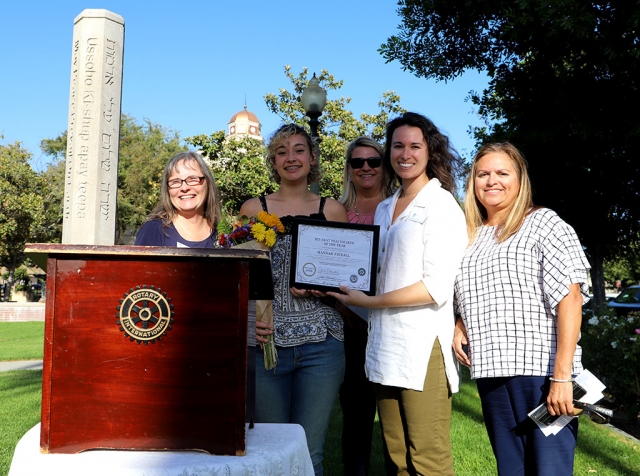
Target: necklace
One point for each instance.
(355, 209)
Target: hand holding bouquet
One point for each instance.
(257, 232)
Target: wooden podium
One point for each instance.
(146, 347)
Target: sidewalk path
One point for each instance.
(21, 365)
(21, 311)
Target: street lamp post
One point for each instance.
(313, 101)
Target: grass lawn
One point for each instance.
(19, 410)
(21, 340)
(601, 451)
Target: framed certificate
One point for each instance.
(327, 254)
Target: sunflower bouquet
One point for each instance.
(261, 228)
(255, 232)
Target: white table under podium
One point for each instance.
(272, 449)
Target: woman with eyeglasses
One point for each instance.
(188, 210)
(519, 295)
(365, 185)
(308, 333)
(422, 238)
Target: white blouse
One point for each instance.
(425, 243)
(508, 293)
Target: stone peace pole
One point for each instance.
(93, 133)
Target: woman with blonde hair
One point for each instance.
(308, 334)
(364, 182)
(519, 296)
(365, 185)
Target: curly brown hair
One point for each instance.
(444, 162)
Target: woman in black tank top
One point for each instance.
(308, 334)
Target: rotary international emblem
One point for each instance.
(145, 314)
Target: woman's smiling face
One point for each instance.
(496, 183)
(188, 199)
(366, 177)
(293, 159)
(409, 152)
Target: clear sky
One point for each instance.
(188, 65)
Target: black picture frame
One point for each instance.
(366, 234)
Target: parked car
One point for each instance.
(628, 300)
(590, 303)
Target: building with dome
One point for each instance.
(243, 124)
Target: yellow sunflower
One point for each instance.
(270, 220)
(270, 238)
(258, 231)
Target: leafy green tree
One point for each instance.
(55, 148)
(145, 150)
(338, 126)
(238, 165)
(20, 278)
(53, 179)
(563, 88)
(624, 267)
(21, 213)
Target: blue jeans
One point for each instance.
(302, 389)
(520, 448)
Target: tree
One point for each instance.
(145, 150)
(625, 267)
(238, 165)
(53, 178)
(21, 213)
(563, 88)
(338, 126)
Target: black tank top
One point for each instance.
(286, 220)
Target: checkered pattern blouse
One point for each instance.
(507, 294)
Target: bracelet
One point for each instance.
(558, 380)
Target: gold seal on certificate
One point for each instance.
(326, 255)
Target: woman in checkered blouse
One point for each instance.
(519, 296)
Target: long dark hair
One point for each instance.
(444, 162)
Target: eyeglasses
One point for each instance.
(358, 163)
(598, 414)
(191, 181)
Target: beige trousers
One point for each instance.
(416, 424)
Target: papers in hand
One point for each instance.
(551, 425)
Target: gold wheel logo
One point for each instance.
(145, 314)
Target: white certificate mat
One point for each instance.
(326, 255)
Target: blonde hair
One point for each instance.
(165, 210)
(476, 213)
(348, 198)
